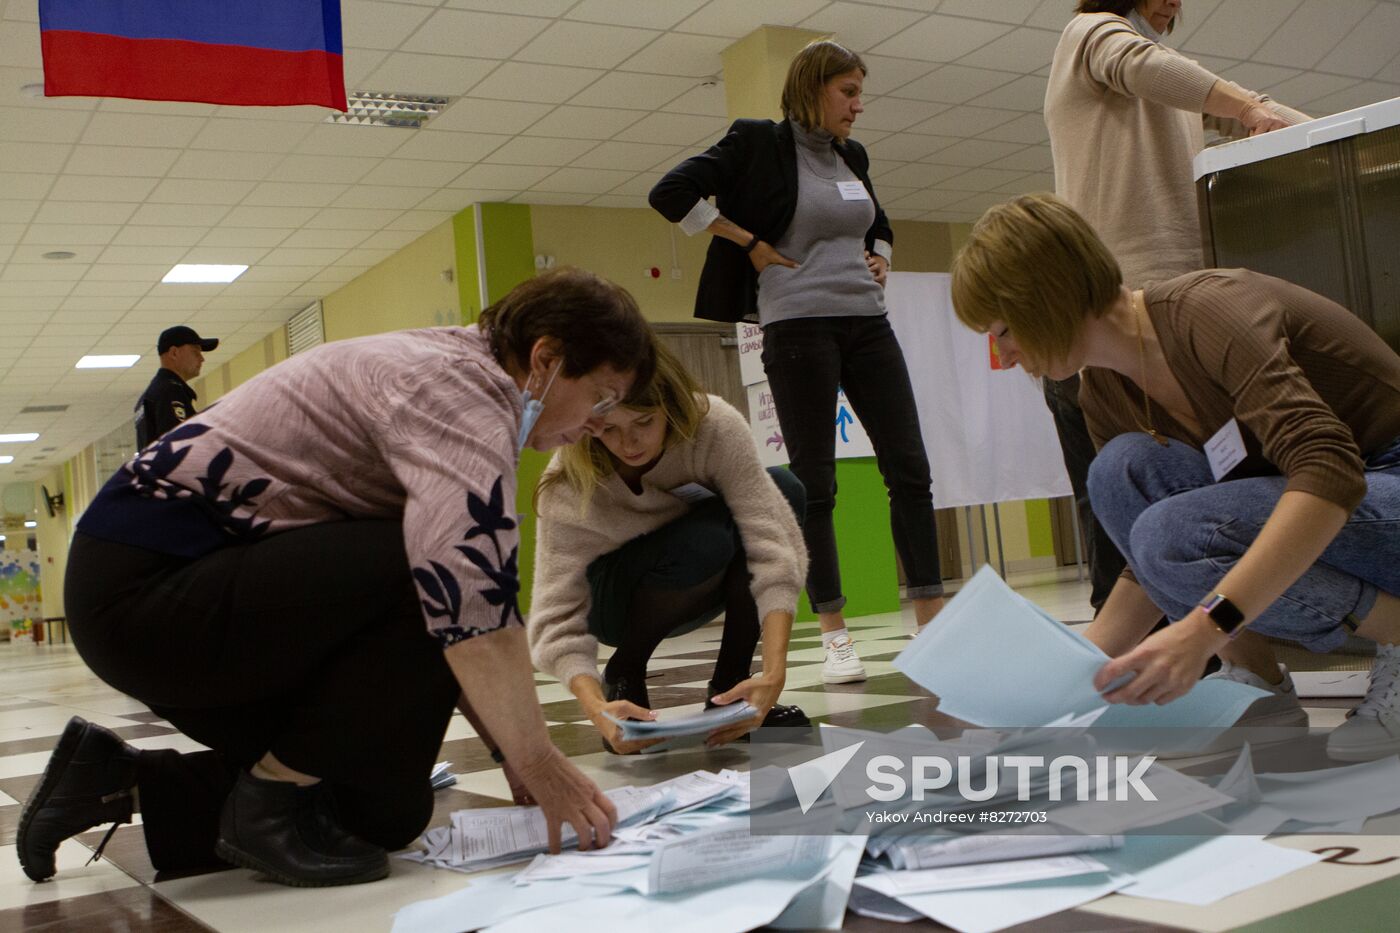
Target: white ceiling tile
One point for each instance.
(541, 151)
(548, 84)
(1195, 14)
(71, 234)
(473, 34)
(1369, 46)
(675, 128)
(446, 146)
(92, 310)
(585, 44)
(24, 185)
(179, 215)
(1030, 159)
(707, 99)
(631, 156)
(366, 257)
(550, 8)
(1055, 14)
(736, 18)
(457, 199)
(191, 191)
(420, 221)
(33, 125)
(301, 256)
(249, 136)
(1367, 92)
(382, 196)
(323, 169)
(1236, 29)
(335, 218)
(142, 255)
(75, 212)
(1028, 184)
(238, 166)
(1311, 31)
(19, 44)
(19, 212)
(908, 147)
(583, 122)
(894, 114)
(982, 179)
(378, 25)
(854, 26)
(74, 329)
(33, 157)
(942, 39)
(293, 274)
(645, 13)
(389, 239)
(359, 64)
(345, 139)
(1025, 93)
(98, 188)
(290, 194)
(914, 175)
(964, 121)
(673, 54)
(1002, 11)
(1307, 87)
(158, 236)
(475, 115)
(307, 115)
(1022, 50)
(619, 200)
(124, 129)
(414, 173)
(222, 255)
(1027, 128)
(974, 152)
(120, 273)
(551, 197)
(105, 289)
(888, 75)
(978, 203)
(248, 216)
(226, 235)
(412, 73)
(955, 84)
(27, 265)
(1257, 77)
(10, 234)
(583, 180)
(327, 239)
(636, 92)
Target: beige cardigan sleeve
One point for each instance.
(1124, 62)
(557, 628)
(772, 538)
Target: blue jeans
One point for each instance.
(806, 361)
(1181, 532)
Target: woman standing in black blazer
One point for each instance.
(800, 242)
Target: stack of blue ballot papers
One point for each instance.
(696, 724)
(993, 658)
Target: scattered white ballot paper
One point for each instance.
(974, 848)
(1177, 796)
(441, 777)
(729, 853)
(822, 906)
(983, 910)
(1052, 667)
(1331, 683)
(1201, 871)
(695, 724)
(865, 902)
(569, 865)
(987, 875)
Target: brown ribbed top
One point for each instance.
(1315, 390)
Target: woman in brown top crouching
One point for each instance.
(1249, 458)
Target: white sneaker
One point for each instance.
(1280, 709)
(1373, 731)
(842, 664)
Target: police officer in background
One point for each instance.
(168, 400)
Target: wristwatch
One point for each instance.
(752, 243)
(1223, 614)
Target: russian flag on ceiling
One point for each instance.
(243, 52)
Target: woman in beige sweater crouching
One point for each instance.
(655, 526)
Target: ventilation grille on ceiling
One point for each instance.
(41, 409)
(305, 329)
(377, 108)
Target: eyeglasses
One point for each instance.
(606, 404)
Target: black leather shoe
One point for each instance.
(625, 687)
(779, 715)
(87, 782)
(290, 834)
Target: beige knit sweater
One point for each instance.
(722, 458)
(1124, 115)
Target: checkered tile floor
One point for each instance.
(41, 687)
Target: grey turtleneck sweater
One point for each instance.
(826, 238)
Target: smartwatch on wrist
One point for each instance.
(1223, 614)
(752, 244)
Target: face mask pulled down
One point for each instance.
(533, 408)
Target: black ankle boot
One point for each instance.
(290, 834)
(87, 782)
(627, 687)
(779, 715)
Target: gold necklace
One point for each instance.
(1149, 430)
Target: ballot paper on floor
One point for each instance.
(987, 875)
(728, 853)
(700, 723)
(925, 851)
(822, 906)
(964, 658)
(1199, 870)
(984, 910)
(441, 777)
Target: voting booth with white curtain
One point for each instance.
(989, 436)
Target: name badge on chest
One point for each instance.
(852, 191)
(1225, 449)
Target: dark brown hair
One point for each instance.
(596, 322)
(1116, 7)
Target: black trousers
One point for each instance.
(1105, 561)
(677, 578)
(309, 644)
(806, 361)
